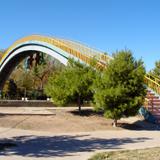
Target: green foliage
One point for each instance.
(30, 81)
(41, 59)
(57, 89)
(71, 84)
(156, 70)
(119, 90)
(12, 89)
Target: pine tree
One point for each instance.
(72, 84)
(120, 90)
(156, 70)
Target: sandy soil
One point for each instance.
(61, 120)
(62, 134)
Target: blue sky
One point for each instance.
(108, 25)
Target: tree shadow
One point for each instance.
(86, 112)
(2, 115)
(130, 126)
(6, 145)
(65, 145)
(140, 125)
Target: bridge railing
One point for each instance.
(102, 59)
(87, 50)
(85, 54)
(152, 82)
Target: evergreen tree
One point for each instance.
(72, 84)
(156, 70)
(120, 90)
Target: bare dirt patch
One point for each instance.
(57, 120)
(61, 120)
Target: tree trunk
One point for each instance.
(41, 87)
(79, 104)
(25, 93)
(115, 123)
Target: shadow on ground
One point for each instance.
(86, 112)
(44, 146)
(2, 115)
(6, 145)
(140, 125)
(137, 126)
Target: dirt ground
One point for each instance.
(59, 121)
(62, 134)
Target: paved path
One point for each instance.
(33, 145)
(34, 110)
(25, 110)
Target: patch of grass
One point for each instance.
(141, 154)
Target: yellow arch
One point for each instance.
(75, 49)
(81, 52)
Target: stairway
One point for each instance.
(152, 104)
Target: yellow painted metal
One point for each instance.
(152, 82)
(82, 53)
(147, 103)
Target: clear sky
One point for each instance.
(108, 25)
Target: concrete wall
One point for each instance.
(30, 103)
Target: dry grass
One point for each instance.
(142, 154)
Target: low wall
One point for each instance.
(29, 103)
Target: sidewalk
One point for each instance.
(25, 110)
(33, 145)
(7, 110)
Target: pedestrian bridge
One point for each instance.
(59, 48)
